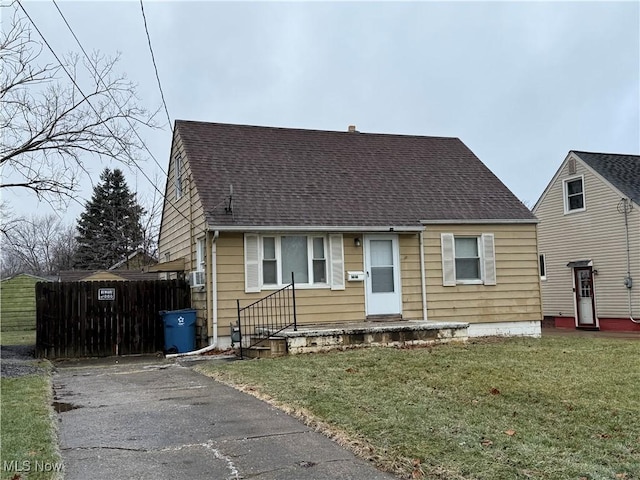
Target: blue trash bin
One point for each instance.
(179, 330)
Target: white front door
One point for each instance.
(382, 275)
(585, 297)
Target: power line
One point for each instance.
(155, 67)
(106, 88)
(91, 105)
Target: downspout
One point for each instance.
(423, 282)
(213, 324)
(625, 207)
(212, 317)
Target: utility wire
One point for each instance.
(155, 67)
(118, 105)
(107, 89)
(93, 108)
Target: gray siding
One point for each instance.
(596, 234)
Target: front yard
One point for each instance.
(29, 443)
(552, 408)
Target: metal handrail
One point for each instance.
(265, 316)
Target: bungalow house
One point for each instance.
(374, 226)
(589, 241)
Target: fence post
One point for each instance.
(293, 294)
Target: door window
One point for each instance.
(382, 266)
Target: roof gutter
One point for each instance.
(480, 221)
(315, 228)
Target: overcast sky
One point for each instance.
(520, 83)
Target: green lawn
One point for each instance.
(27, 428)
(18, 337)
(550, 408)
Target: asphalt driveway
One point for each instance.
(148, 418)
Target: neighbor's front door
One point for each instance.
(585, 303)
(382, 275)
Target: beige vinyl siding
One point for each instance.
(183, 220)
(596, 234)
(313, 305)
(515, 297)
(410, 272)
(182, 223)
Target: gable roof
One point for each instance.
(36, 277)
(309, 178)
(622, 171)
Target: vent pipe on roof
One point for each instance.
(352, 129)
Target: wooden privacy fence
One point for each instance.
(96, 319)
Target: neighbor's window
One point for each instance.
(467, 258)
(543, 268)
(178, 174)
(574, 195)
(303, 255)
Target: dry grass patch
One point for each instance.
(551, 408)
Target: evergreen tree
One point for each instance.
(110, 228)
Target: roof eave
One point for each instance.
(481, 221)
(315, 228)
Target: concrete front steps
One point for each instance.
(342, 336)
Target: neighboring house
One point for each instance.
(374, 226)
(104, 275)
(589, 241)
(18, 302)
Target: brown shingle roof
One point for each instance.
(309, 178)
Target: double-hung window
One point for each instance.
(573, 189)
(468, 259)
(316, 261)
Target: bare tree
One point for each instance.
(153, 205)
(38, 245)
(51, 129)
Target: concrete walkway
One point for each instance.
(147, 418)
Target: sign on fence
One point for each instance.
(106, 294)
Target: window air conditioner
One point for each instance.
(196, 279)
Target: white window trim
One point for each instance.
(486, 252)
(565, 195)
(543, 262)
(278, 245)
(470, 281)
(333, 256)
(201, 246)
